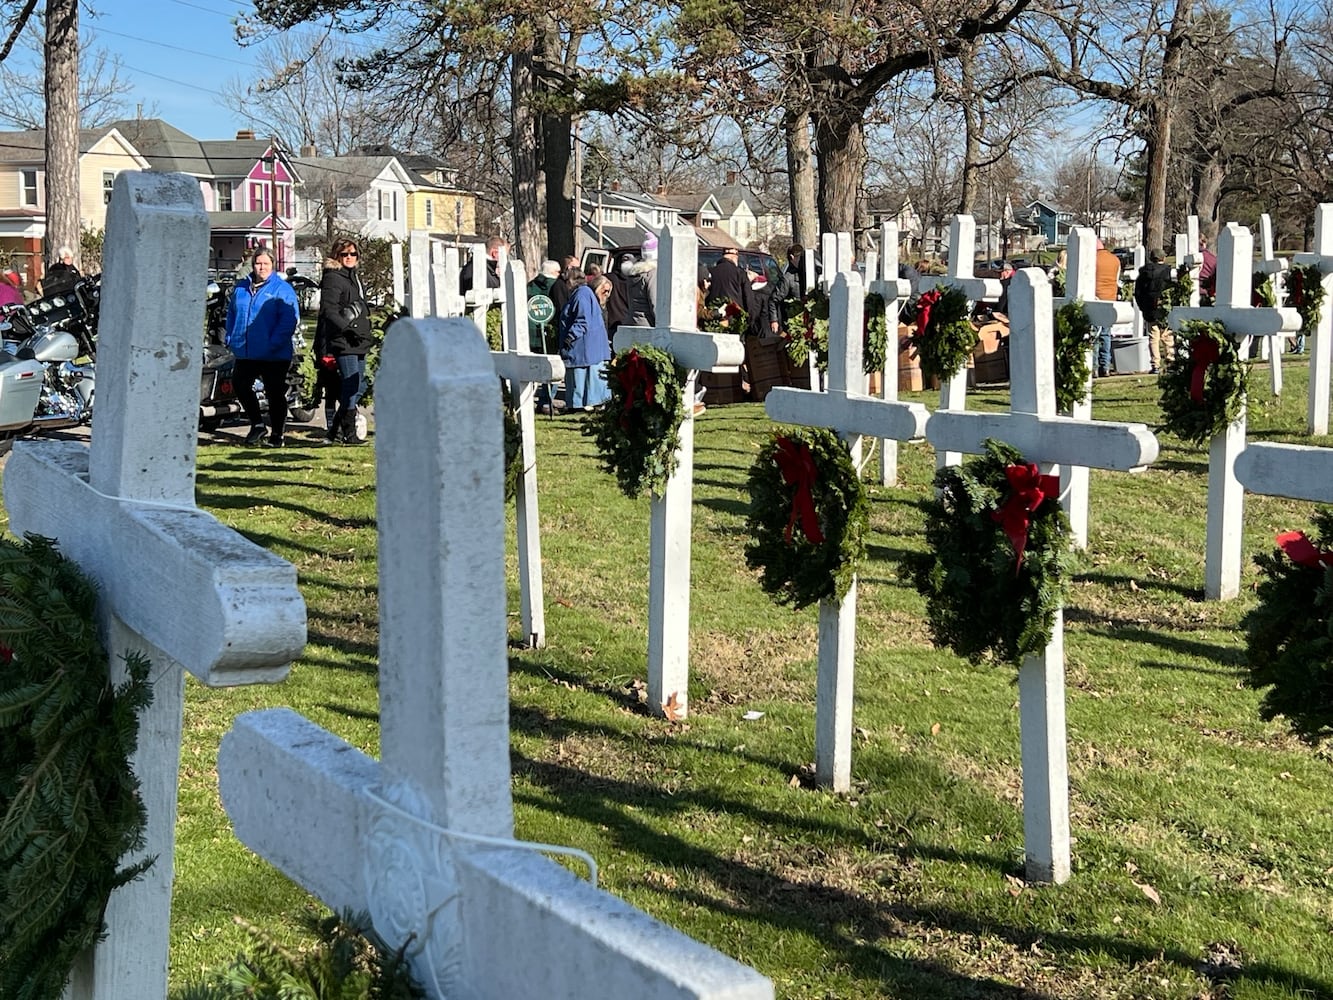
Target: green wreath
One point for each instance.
(1073, 337)
(1289, 634)
(808, 517)
(990, 592)
(1262, 293)
(1201, 400)
(1305, 293)
(945, 338)
(69, 802)
(513, 441)
(724, 316)
(1179, 292)
(638, 430)
(807, 330)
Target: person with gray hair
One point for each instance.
(61, 276)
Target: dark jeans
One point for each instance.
(352, 376)
(274, 376)
(1104, 350)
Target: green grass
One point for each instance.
(911, 885)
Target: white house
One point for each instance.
(363, 194)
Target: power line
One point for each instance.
(176, 48)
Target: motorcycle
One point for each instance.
(217, 383)
(39, 374)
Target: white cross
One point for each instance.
(478, 300)
(418, 265)
(172, 581)
(1046, 439)
(882, 272)
(399, 276)
(1275, 267)
(421, 839)
(1318, 343)
(670, 514)
(1226, 499)
(525, 371)
(1081, 285)
(1188, 257)
(835, 254)
(962, 241)
(848, 410)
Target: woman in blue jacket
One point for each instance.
(584, 345)
(261, 318)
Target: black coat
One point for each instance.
(1152, 281)
(732, 284)
(343, 326)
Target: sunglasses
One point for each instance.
(349, 253)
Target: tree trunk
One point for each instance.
(801, 178)
(523, 150)
(967, 197)
(1208, 196)
(62, 126)
(556, 168)
(1161, 112)
(840, 139)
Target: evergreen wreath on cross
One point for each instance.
(808, 517)
(1073, 337)
(1262, 293)
(1203, 385)
(638, 430)
(69, 802)
(807, 331)
(513, 443)
(724, 316)
(1179, 292)
(998, 558)
(1305, 293)
(945, 337)
(1289, 634)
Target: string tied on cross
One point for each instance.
(1028, 488)
(798, 469)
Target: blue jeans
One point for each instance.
(1103, 349)
(351, 381)
(585, 387)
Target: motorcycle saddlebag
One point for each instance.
(20, 385)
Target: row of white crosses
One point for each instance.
(434, 269)
(1226, 499)
(846, 409)
(1081, 285)
(173, 582)
(423, 838)
(1275, 268)
(671, 514)
(962, 240)
(1049, 440)
(883, 280)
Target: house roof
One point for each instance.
(168, 148)
(30, 144)
(241, 221)
(354, 173)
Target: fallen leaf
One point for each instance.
(935, 729)
(1131, 867)
(563, 603)
(1133, 585)
(1016, 885)
(1150, 892)
(795, 781)
(672, 708)
(751, 715)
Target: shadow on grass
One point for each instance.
(1140, 583)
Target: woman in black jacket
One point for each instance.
(342, 334)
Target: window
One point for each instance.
(108, 183)
(29, 198)
(383, 204)
(395, 206)
(430, 213)
(224, 196)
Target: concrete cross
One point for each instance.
(1318, 344)
(418, 265)
(422, 839)
(1048, 440)
(444, 271)
(172, 581)
(1188, 256)
(1296, 471)
(1081, 286)
(525, 371)
(835, 254)
(962, 240)
(478, 300)
(846, 409)
(882, 274)
(670, 514)
(1271, 348)
(1226, 499)
(399, 276)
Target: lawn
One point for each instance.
(1203, 842)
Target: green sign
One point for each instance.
(541, 310)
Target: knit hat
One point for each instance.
(650, 247)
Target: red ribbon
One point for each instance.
(1296, 289)
(798, 469)
(1027, 489)
(923, 307)
(1203, 352)
(1302, 551)
(6, 655)
(634, 374)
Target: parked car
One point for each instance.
(763, 267)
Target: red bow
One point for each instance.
(1027, 489)
(1301, 550)
(923, 307)
(1203, 352)
(1296, 289)
(636, 373)
(798, 469)
(6, 655)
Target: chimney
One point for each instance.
(245, 133)
(308, 151)
(731, 178)
(661, 189)
(615, 185)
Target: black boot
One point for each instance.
(347, 428)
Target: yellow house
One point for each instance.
(435, 202)
(103, 153)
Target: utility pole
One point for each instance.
(273, 199)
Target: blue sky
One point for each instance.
(176, 54)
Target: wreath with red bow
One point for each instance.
(1305, 293)
(807, 331)
(808, 517)
(998, 559)
(945, 337)
(638, 431)
(724, 316)
(1203, 385)
(1289, 634)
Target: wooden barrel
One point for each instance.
(723, 388)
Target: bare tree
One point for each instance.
(102, 92)
(62, 123)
